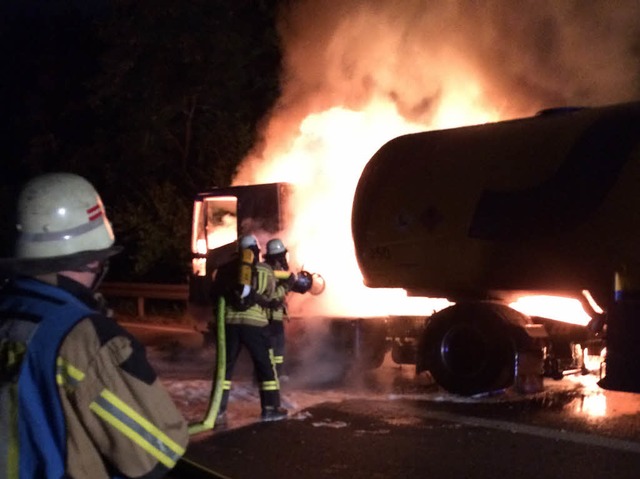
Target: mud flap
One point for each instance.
(622, 363)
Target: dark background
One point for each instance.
(155, 100)
(150, 100)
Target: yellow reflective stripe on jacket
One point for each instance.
(280, 294)
(226, 385)
(134, 426)
(277, 314)
(67, 373)
(256, 315)
(264, 273)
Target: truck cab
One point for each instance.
(220, 217)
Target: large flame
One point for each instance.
(324, 161)
(357, 74)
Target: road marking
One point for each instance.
(562, 434)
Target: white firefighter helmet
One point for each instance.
(61, 222)
(275, 246)
(249, 241)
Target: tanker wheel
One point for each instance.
(373, 345)
(469, 348)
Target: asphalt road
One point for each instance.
(405, 439)
(390, 425)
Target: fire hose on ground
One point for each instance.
(305, 282)
(209, 421)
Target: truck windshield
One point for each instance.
(220, 220)
(215, 222)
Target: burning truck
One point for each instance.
(482, 217)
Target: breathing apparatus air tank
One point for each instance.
(249, 249)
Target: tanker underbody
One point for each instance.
(475, 346)
(468, 349)
(545, 204)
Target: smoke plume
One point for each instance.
(514, 57)
(410, 65)
(418, 65)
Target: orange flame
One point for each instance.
(568, 310)
(444, 64)
(324, 160)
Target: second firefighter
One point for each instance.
(246, 324)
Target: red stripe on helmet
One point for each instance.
(94, 212)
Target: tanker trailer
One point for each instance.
(484, 214)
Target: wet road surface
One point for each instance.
(404, 439)
(387, 423)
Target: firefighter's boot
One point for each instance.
(272, 413)
(270, 402)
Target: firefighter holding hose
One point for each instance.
(248, 302)
(276, 257)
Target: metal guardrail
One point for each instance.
(143, 291)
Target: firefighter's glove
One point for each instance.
(261, 300)
(291, 281)
(275, 304)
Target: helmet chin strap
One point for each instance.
(103, 267)
(99, 269)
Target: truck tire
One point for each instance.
(370, 344)
(470, 347)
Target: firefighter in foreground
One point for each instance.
(250, 285)
(78, 397)
(276, 257)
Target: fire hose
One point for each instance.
(306, 282)
(186, 467)
(215, 397)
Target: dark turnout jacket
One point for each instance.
(78, 397)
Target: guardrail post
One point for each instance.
(141, 306)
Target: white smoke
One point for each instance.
(520, 57)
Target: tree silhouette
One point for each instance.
(151, 100)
